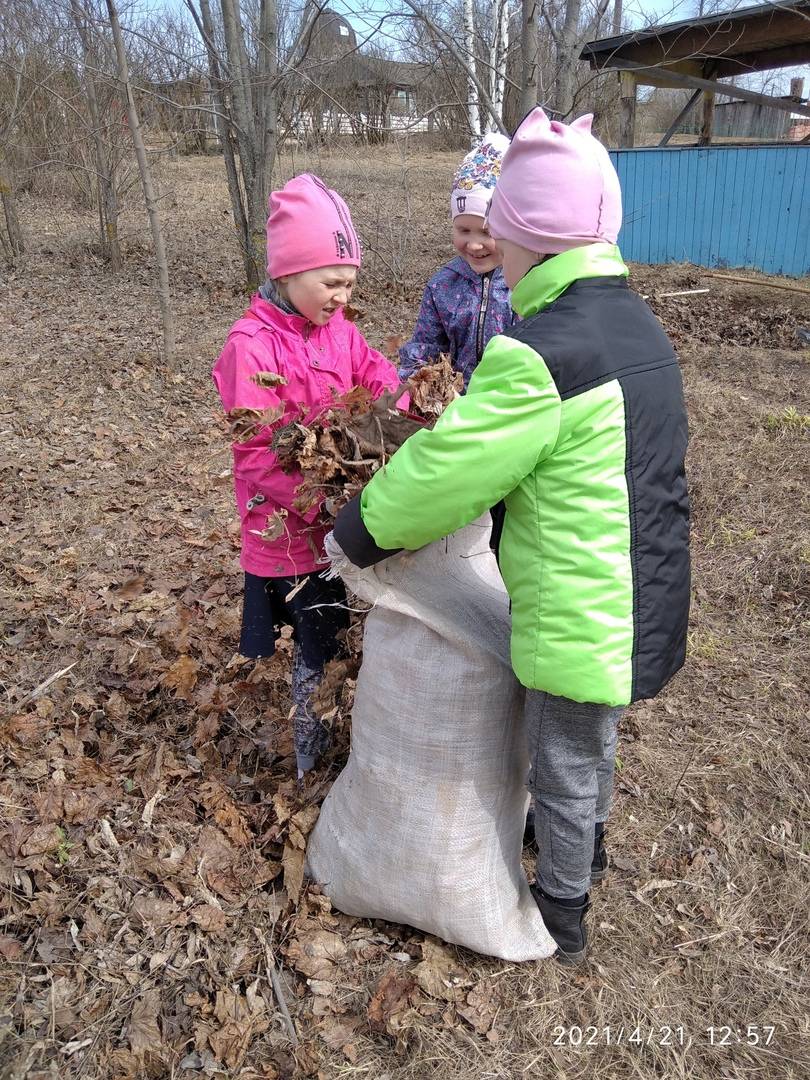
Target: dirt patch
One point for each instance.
(151, 837)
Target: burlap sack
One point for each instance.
(424, 826)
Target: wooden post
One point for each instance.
(708, 119)
(627, 121)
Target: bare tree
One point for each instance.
(568, 31)
(616, 22)
(245, 78)
(498, 56)
(167, 315)
(12, 240)
(465, 60)
(473, 111)
(106, 180)
(529, 58)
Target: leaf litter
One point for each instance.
(151, 820)
(120, 558)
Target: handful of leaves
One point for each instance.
(339, 451)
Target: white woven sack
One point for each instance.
(424, 825)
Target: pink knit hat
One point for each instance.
(309, 226)
(557, 190)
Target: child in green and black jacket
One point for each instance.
(575, 416)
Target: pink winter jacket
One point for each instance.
(315, 361)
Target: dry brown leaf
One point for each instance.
(151, 911)
(215, 798)
(117, 707)
(181, 677)
(315, 953)
(231, 1042)
(283, 807)
(393, 996)
(143, 1031)
(241, 1018)
(209, 918)
(10, 948)
(304, 820)
(717, 827)
(275, 526)
(293, 863)
(480, 1007)
(330, 689)
(338, 1034)
(245, 424)
(392, 344)
(41, 839)
(131, 588)
(206, 729)
(439, 973)
(49, 804)
(268, 379)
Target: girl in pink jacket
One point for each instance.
(292, 353)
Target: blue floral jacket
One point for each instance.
(460, 311)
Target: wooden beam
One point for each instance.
(679, 119)
(763, 60)
(627, 118)
(691, 82)
(730, 34)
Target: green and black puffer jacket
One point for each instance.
(576, 417)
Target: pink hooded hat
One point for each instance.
(309, 226)
(557, 190)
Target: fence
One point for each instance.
(719, 206)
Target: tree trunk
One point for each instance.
(473, 113)
(466, 61)
(16, 242)
(105, 170)
(528, 56)
(567, 57)
(266, 95)
(501, 50)
(616, 28)
(224, 124)
(166, 312)
(248, 139)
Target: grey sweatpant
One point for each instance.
(572, 750)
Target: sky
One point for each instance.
(637, 13)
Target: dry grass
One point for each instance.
(115, 472)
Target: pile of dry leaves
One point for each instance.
(338, 452)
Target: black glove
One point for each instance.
(354, 538)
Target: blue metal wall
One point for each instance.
(718, 206)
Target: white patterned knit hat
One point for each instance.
(477, 176)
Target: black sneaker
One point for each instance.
(566, 925)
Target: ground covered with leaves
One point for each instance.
(154, 917)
